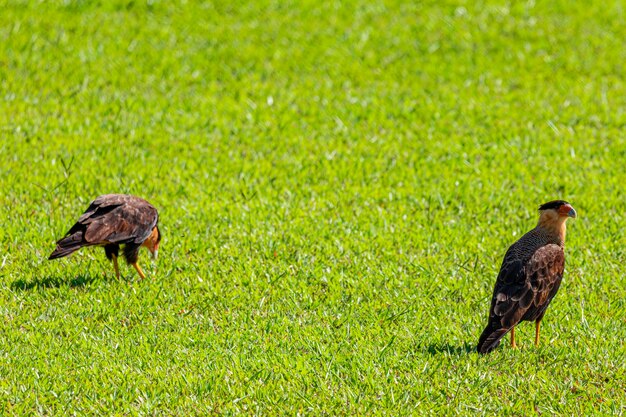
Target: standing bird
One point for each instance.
(112, 220)
(529, 277)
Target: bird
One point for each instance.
(529, 277)
(110, 221)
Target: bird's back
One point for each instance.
(110, 218)
(527, 245)
(513, 293)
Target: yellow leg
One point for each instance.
(139, 271)
(117, 269)
(537, 324)
(513, 345)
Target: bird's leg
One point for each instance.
(513, 345)
(117, 269)
(139, 271)
(537, 324)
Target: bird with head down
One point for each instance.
(529, 277)
(112, 220)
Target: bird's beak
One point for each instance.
(155, 253)
(571, 213)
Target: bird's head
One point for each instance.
(553, 216)
(153, 241)
(557, 209)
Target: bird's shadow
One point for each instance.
(78, 281)
(439, 348)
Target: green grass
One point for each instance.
(337, 184)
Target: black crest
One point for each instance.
(552, 204)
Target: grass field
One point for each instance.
(337, 184)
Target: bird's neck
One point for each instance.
(553, 225)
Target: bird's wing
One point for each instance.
(103, 204)
(544, 273)
(511, 294)
(118, 218)
(521, 287)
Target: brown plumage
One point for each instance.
(110, 221)
(529, 277)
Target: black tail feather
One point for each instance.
(68, 245)
(490, 338)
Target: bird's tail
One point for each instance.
(68, 245)
(491, 336)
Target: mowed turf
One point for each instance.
(337, 185)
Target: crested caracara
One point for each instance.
(529, 277)
(110, 221)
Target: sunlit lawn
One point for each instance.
(337, 184)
